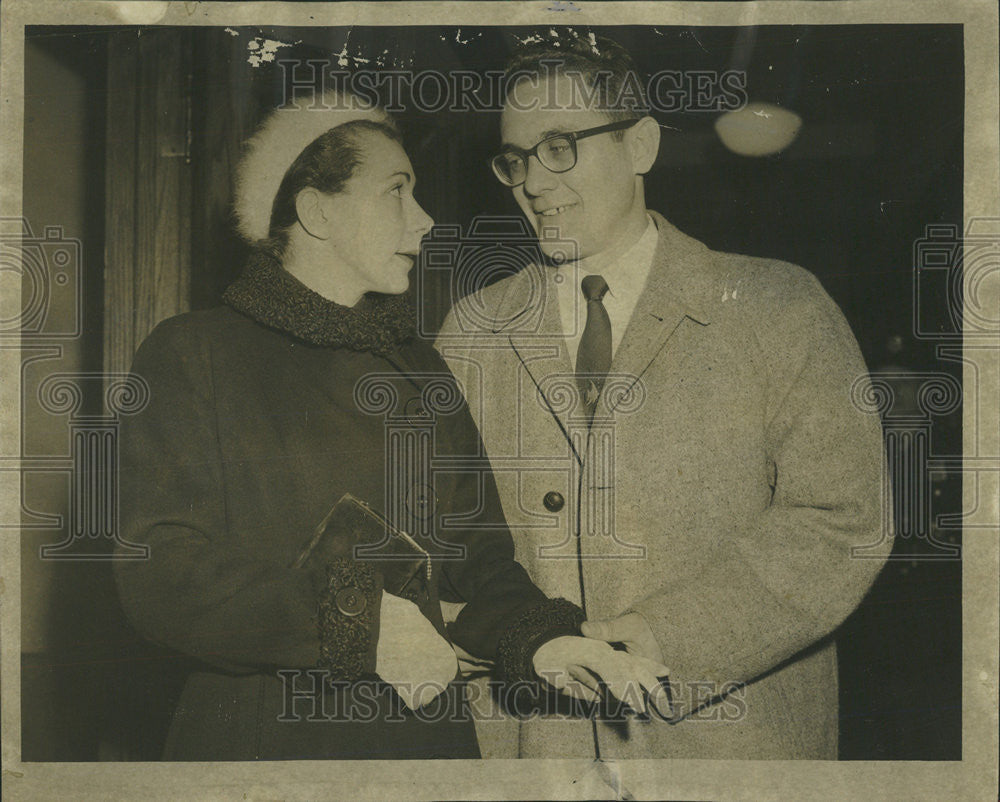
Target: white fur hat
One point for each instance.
(279, 140)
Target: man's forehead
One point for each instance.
(537, 106)
(523, 127)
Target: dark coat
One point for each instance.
(258, 421)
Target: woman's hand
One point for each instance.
(631, 630)
(580, 667)
(411, 655)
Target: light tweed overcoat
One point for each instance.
(719, 492)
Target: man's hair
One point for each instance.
(326, 164)
(602, 65)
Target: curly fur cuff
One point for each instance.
(521, 639)
(347, 642)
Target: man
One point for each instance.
(699, 490)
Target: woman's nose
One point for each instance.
(421, 222)
(538, 179)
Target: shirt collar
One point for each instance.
(625, 273)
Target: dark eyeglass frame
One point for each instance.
(571, 136)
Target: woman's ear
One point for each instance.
(311, 209)
(644, 140)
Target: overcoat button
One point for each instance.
(553, 501)
(350, 601)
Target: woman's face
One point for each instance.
(378, 224)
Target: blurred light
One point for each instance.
(142, 13)
(758, 129)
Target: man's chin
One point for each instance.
(559, 248)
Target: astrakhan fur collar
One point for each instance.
(273, 297)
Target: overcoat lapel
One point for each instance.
(529, 317)
(672, 296)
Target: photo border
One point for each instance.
(974, 777)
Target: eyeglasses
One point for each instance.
(556, 153)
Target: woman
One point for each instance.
(258, 423)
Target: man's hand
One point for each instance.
(579, 667)
(631, 630)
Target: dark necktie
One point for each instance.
(593, 356)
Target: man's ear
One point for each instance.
(311, 209)
(644, 141)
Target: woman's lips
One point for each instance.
(406, 261)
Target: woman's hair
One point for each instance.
(326, 164)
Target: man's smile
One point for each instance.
(554, 210)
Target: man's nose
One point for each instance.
(538, 178)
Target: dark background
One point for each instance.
(878, 159)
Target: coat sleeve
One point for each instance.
(788, 577)
(506, 617)
(201, 591)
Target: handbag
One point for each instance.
(353, 529)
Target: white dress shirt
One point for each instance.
(625, 275)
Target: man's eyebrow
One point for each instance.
(545, 135)
(403, 173)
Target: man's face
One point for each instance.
(591, 203)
